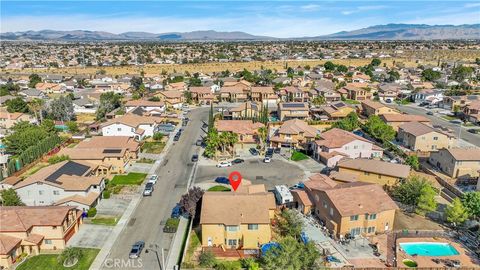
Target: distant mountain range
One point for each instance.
(378, 32)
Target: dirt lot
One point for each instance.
(413, 222)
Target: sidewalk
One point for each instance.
(176, 246)
(105, 251)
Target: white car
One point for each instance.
(267, 159)
(224, 164)
(153, 179)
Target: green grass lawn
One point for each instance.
(219, 188)
(109, 221)
(449, 118)
(193, 244)
(49, 261)
(153, 147)
(351, 101)
(129, 179)
(297, 156)
(146, 160)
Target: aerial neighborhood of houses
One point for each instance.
(369, 164)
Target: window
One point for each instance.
(252, 227)
(354, 218)
(325, 205)
(371, 230)
(40, 192)
(435, 138)
(54, 227)
(48, 241)
(366, 173)
(119, 129)
(232, 228)
(355, 231)
(372, 216)
(56, 192)
(379, 176)
(232, 242)
(331, 212)
(355, 147)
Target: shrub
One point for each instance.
(69, 255)
(157, 136)
(92, 212)
(107, 194)
(57, 159)
(207, 259)
(250, 264)
(228, 265)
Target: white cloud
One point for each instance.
(362, 8)
(471, 5)
(310, 7)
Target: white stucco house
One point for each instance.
(131, 125)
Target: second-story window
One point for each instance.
(252, 227)
(232, 228)
(354, 218)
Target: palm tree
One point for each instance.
(232, 139)
(262, 136)
(36, 106)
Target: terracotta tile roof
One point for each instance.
(404, 118)
(133, 120)
(232, 90)
(464, 154)
(376, 166)
(297, 126)
(144, 103)
(34, 238)
(109, 142)
(353, 198)
(373, 104)
(172, 94)
(249, 105)
(201, 90)
(302, 196)
(12, 180)
(22, 218)
(263, 90)
(320, 181)
(336, 138)
(343, 176)
(238, 126)
(418, 128)
(92, 153)
(64, 181)
(8, 243)
(85, 200)
(232, 208)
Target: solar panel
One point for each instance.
(293, 105)
(339, 104)
(112, 151)
(69, 168)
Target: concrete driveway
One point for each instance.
(278, 172)
(90, 236)
(112, 207)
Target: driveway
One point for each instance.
(90, 236)
(277, 172)
(112, 207)
(140, 167)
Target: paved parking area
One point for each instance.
(112, 207)
(91, 236)
(277, 172)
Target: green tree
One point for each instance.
(16, 105)
(135, 82)
(36, 106)
(262, 137)
(108, 102)
(410, 191)
(157, 136)
(329, 66)
(471, 202)
(23, 136)
(348, 123)
(431, 75)
(289, 224)
(188, 97)
(413, 162)
(62, 109)
(72, 127)
(426, 201)
(9, 197)
(379, 129)
(318, 100)
(342, 68)
(207, 259)
(375, 62)
(250, 264)
(48, 125)
(461, 73)
(34, 79)
(456, 213)
(291, 255)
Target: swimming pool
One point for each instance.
(429, 249)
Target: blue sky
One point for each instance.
(270, 18)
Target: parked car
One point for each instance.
(253, 151)
(176, 138)
(194, 158)
(148, 189)
(277, 150)
(267, 159)
(474, 131)
(222, 180)
(429, 113)
(237, 161)
(269, 152)
(456, 121)
(176, 211)
(199, 142)
(136, 249)
(153, 179)
(224, 164)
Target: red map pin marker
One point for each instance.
(235, 179)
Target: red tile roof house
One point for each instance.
(32, 229)
(247, 131)
(294, 133)
(337, 144)
(233, 94)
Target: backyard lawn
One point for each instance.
(49, 261)
(193, 244)
(153, 147)
(219, 188)
(129, 179)
(297, 156)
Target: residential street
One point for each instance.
(437, 120)
(147, 221)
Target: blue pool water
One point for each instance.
(429, 249)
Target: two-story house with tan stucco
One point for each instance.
(457, 162)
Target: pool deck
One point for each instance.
(426, 261)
